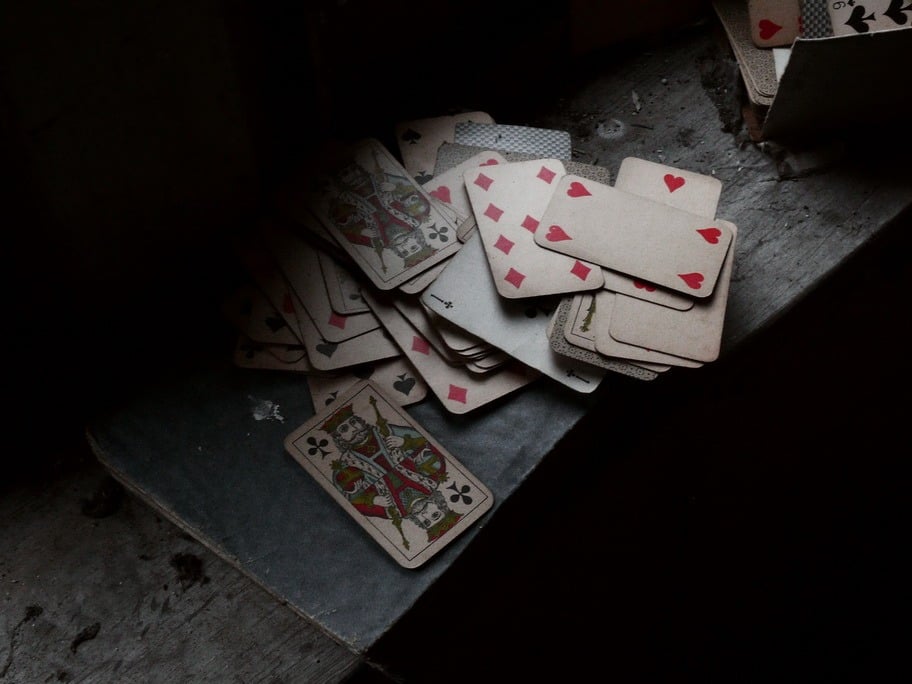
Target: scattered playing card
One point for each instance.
(380, 216)
(561, 345)
(774, 23)
(694, 334)
(508, 201)
(693, 192)
(252, 314)
(343, 289)
(299, 262)
(606, 343)
(459, 390)
(257, 355)
(324, 355)
(543, 142)
(465, 295)
(696, 193)
(757, 65)
(867, 16)
(449, 187)
(395, 376)
(389, 474)
(636, 236)
(419, 140)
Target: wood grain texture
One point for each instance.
(97, 587)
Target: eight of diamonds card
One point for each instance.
(389, 474)
(380, 215)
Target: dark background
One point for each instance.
(749, 527)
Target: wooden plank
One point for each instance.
(97, 587)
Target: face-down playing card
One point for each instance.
(389, 474)
(389, 225)
(508, 201)
(635, 236)
(544, 142)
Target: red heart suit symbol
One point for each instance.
(694, 280)
(557, 234)
(673, 182)
(490, 162)
(577, 189)
(768, 29)
(442, 193)
(643, 286)
(711, 235)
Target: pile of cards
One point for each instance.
(762, 32)
(509, 263)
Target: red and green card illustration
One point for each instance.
(386, 222)
(389, 474)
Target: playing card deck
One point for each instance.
(505, 263)
(791, 41)
(564, 275)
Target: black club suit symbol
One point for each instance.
(461, 493)
(439, 233)
(316, 446)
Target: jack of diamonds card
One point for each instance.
(380, 215)
(390, 475)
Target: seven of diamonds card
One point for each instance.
(379, 214)
(389, 474)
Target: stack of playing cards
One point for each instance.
(762, 32)
(509, 263)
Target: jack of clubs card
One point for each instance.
(389, 474)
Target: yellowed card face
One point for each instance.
(634, 235)
(457, 389)
(696, 193)
(774, 23)
(679, 188)
(868, 16)
(389, 474)
(695, 334)
(449, 186)
(419, 140)
(375, 211)
(561, 344)
(396, 377)
(605, 343)
(300, 264)
(508, 201)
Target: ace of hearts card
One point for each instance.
(389, 474)
(386, 222)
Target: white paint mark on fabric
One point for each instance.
(263, 409)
